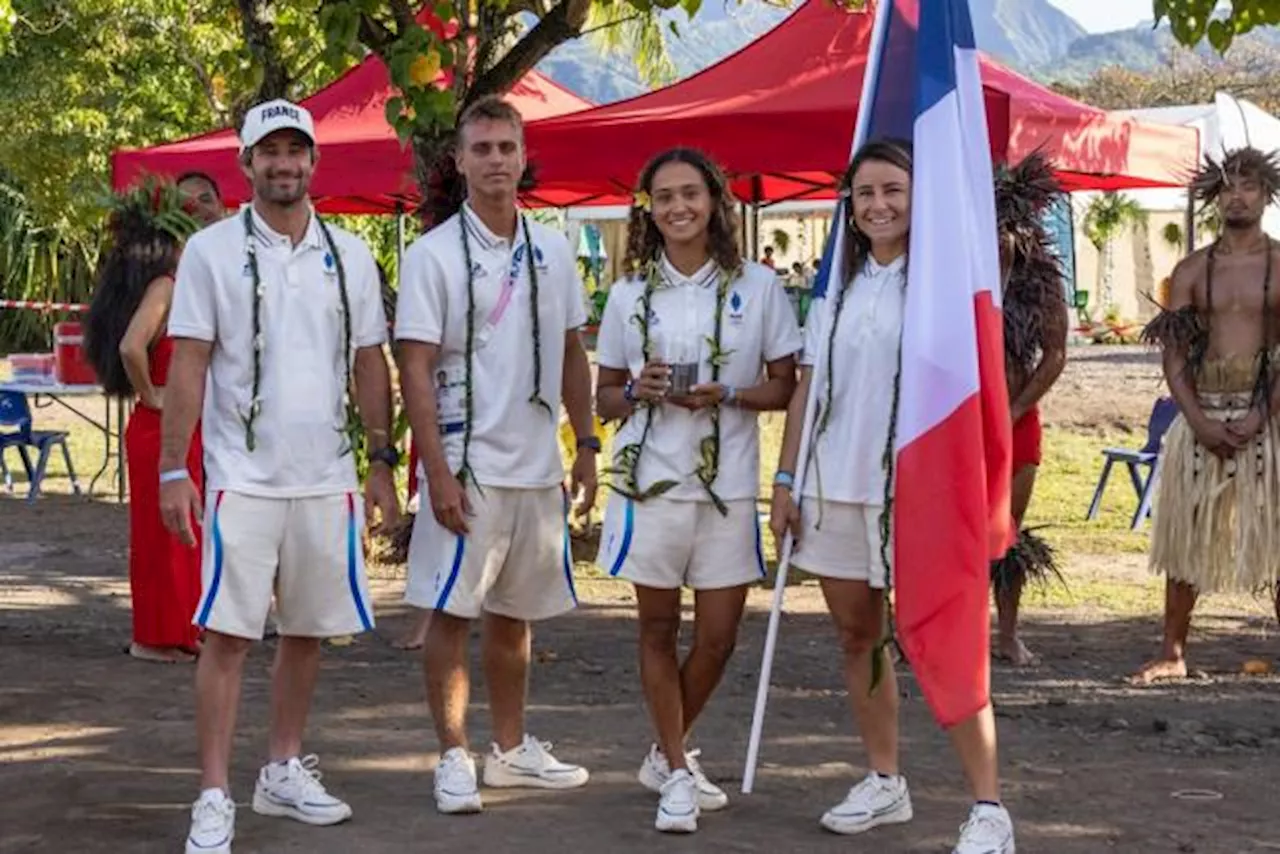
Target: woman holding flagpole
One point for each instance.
(693, 344)
(841, 528)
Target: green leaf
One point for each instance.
(877, 668)
(398, 67)
(1220, 36)
(394, 106)
(658, 488)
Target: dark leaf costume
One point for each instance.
(1030, 560)
(1035, 312)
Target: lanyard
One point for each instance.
(506, 290)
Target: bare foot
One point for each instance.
(416, 637)
(159, 654)
(1160, 670)
(1016, 653)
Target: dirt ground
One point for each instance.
(97, 751)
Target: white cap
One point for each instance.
(268, 117)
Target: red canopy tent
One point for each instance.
(779, 116)
(363, 167)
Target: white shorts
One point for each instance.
(846, 545)
(306, 551)
(515, 562)
(669, 544)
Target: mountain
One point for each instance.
(1023, 33)
(1141, 48)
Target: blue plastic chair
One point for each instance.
(1146, 457)
(16, 432)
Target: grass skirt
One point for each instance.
(1217, 522)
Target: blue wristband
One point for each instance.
(174, 475)
(730, 394)
(784, 479)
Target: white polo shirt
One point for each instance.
(759, 326)
(513, 441)
(298, 434)
(850, 454)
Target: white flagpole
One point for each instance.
(883, 10)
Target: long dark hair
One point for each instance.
(146, 228)
(644, 241)
(857, 246)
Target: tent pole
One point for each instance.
(757, 194)
(755, 232)
(399, 237)
(1189, 223)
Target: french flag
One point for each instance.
(952, 447)
(951, 508)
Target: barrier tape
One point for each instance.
(73, 307)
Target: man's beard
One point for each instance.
(1240, 221)
(269, 191)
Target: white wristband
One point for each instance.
(171, 476)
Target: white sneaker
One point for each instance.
(455, 783)
(213, 823)
(875, 801)
(293, 790)
(989, 830)
(655, 771)
(531, 765)
(678, 808)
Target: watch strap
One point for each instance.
(387, 455)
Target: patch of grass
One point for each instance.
(1115, 593)
(1064, 487)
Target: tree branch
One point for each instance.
(374, 35)
(562, 23)
(218, 109)
(403, 13)
(628, 19)
(259, 36)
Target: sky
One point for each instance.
(1101, 16)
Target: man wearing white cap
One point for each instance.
(278, 325)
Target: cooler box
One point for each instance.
(71, 367)
(32, 367)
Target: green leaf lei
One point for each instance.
(626, 465)
(464, 470)
(351, 429)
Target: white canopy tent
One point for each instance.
(1227, 123)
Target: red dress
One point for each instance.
(164, 575)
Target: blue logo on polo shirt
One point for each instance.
(328, 261)
(735, 308)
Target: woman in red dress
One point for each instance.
(127, 345)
